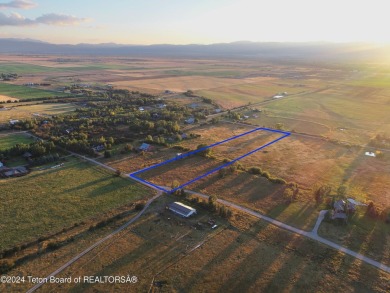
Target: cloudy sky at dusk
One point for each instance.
(198, 21)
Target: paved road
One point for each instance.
(312, 235)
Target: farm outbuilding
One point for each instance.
(181, 209)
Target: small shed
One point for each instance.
(181, 209)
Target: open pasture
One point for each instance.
(40, 203)
(249, 255)
(311, 161)
(361, 112)
(8, 141)
(23, 92)
(34, 111)
(187, 167)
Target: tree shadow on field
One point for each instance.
(221, 256)
(103, 189)
(86, 185)
(279, 246)
(118, 265)
(377, 249)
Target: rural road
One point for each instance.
(312, 235)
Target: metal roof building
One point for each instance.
(181, 209)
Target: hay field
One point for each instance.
(310, 161)
(34, 111)
(40, 203)
(4, 98)
(248, 256)
(362, 112)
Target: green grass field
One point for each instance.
(10, 140)
(21, 68)
(24, 92)
(45, 202)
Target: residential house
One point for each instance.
(145, 147)
(339, 210)
(99, 148)
(190, 120)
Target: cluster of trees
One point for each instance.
(55, 157)
(222, 210)
(212, 205)
(206, 152)
(8, 76)
(81, 130)
(42, 152)
(380, 141)
(291, 192)
(37, 149)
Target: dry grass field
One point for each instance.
(4, 98)
(34, 111)
(310, 161)
(305, 160)
(244, 255)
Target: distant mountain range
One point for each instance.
(294, 51)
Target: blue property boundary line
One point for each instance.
(185, 155)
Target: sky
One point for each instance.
(195, 21)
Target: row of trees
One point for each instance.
(37, 149)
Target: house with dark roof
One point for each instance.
(27, 155)
(339, 210)
(181, 209)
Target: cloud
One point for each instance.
(60, 19)
(21, 4)
(15, 19)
